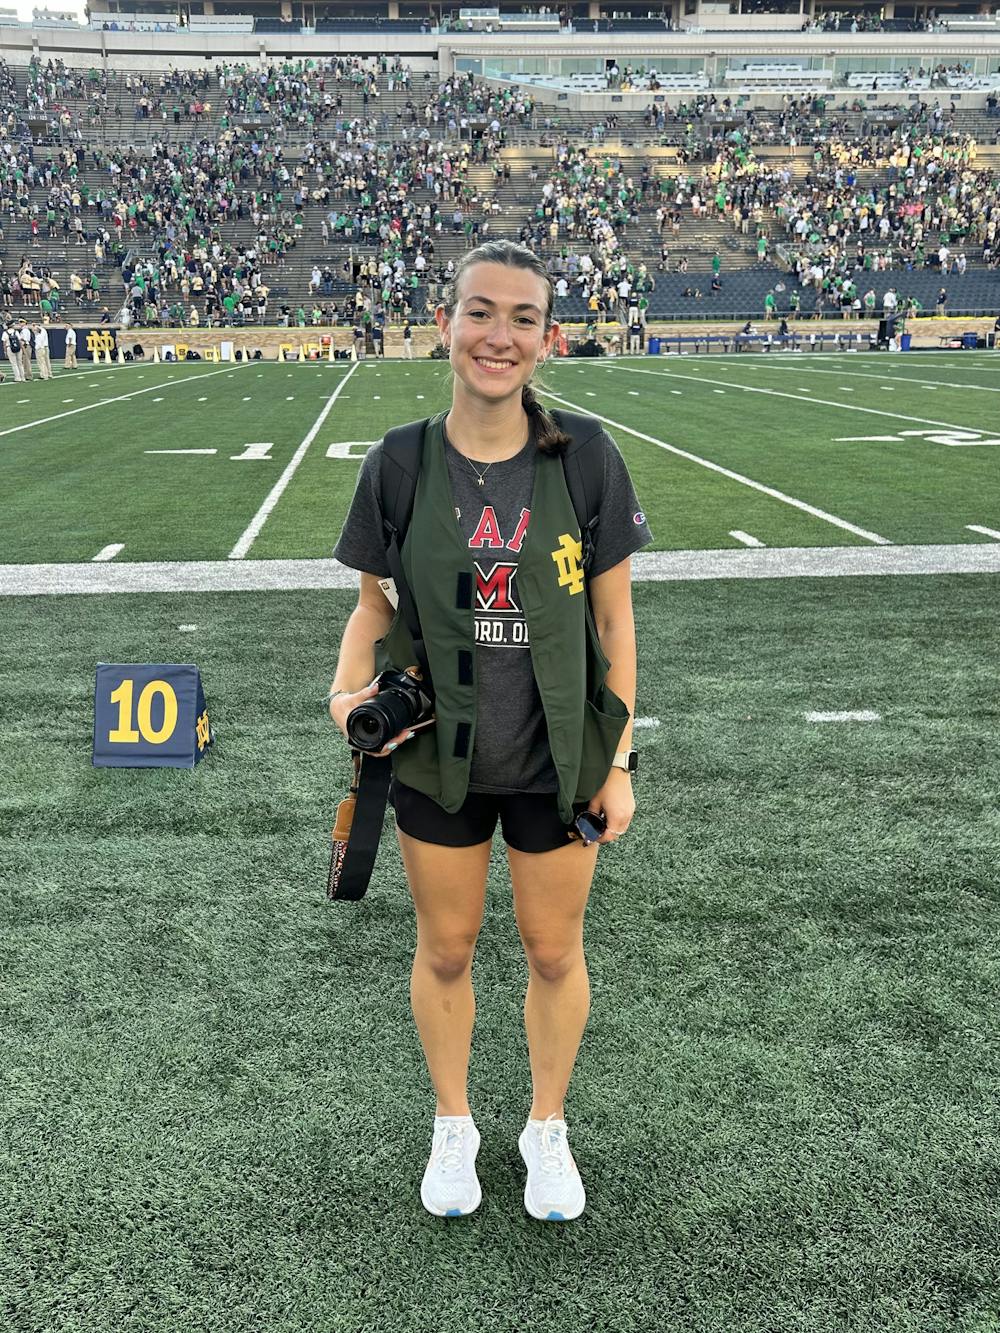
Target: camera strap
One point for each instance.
(355, 847)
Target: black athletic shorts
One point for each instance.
(530, 822)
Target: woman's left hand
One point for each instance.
(616, 801)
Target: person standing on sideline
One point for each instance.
(24, 334)
(407, 340)
(10, 345)
(69, 361)
(42, 352)
(534, 728)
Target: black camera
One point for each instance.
(401, 702)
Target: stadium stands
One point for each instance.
(348, 188)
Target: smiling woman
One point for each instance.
(496, 324)
(533, 697)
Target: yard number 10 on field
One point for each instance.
(149, 716)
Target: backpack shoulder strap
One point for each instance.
(402, 452)
(583, 463)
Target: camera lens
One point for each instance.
(369, 727)
(372, 725)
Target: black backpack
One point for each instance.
(583, 463)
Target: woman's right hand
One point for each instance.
(344, 704)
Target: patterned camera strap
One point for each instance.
(366, 829)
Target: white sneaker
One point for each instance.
(450, 1187)
(554, 1192)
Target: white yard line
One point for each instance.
(745, 538)
(777, 393)
(988, 532)
(863, 715)
(804, 357)
(263, 513)
(916, 381)
(726, 472)
(647, 566)
(60, 374)
(106, 402)
(109, 552)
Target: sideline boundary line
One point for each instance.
(274, 495)
(799, 398)
(59, 374)
(648, 567)
(724, 471)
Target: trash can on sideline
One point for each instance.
(653, 347)
(969, 341)
(904, 341)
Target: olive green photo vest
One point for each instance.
(584, 718)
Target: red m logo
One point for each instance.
(494, 591)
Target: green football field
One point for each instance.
(203, 462)
(215, 1112)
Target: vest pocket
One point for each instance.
(601, 734)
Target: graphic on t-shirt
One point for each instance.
(488, 532)
(499, 618)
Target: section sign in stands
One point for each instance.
(149, 716)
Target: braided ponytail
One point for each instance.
(549, 439)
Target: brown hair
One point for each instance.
(549, 438)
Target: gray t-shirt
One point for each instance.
(511, 750)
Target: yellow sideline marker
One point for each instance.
(156, 357)
(211, 354)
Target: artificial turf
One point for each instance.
(216, 1113)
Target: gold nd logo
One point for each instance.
(204, 735)
(99, 342)
(567, 558)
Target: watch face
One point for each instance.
(633, 760)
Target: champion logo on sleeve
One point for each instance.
(639, 518)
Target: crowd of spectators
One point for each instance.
(206, 228)
(305, 95)
(868, 21)
(171, 206)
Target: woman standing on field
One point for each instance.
(533, 704)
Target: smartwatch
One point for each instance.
(626, 759)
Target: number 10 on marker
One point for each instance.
(149, 716)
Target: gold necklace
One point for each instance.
(479, 475)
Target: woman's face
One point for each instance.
(497, 332)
